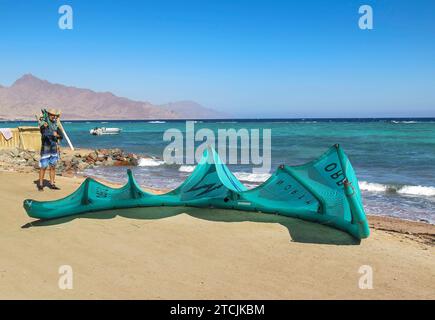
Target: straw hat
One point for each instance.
(54, 112)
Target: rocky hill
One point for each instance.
(26, 96)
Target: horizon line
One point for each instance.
(235, 119)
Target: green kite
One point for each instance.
(324, 191)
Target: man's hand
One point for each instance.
(55, 134)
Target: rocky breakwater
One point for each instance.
(71, 162)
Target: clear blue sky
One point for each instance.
(250, 58)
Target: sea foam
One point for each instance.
(148, 162)
(186, 168)
(404, 190)
(252, 177)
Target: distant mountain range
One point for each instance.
(29, 94)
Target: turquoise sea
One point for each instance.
(394, 158)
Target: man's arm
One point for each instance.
(59, 134)
(45, 130)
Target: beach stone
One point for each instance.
(93, 156)
(134, 161)
(89, 159)
(26, 155)
(35, 156)
(67, 163)
(116, 152)
(78, 154)
(14, 153)
(82, 166)
(67, 157)
(132, 156)
(103, 152)
(81, 153)
(119, 163)
(5, 157)
(70, 162)
(109, 162)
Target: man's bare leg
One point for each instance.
(52, 175)
(41, 178)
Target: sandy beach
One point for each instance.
(186, 253)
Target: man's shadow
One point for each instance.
(45, 183)
(299, 230)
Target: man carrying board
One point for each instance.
(51, 135)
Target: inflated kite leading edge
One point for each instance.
(324, 190)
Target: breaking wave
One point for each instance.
(255, 178)
(403, 121)
(149, 162)
(404, 190)
(252, 177)
(186, 168)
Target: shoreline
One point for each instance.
(403, 201)
(381, 222)
(415, 230)
(200, 253)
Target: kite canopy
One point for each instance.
(324, 190)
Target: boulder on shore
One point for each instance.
(71, 162)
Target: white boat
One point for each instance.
(100, 131)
